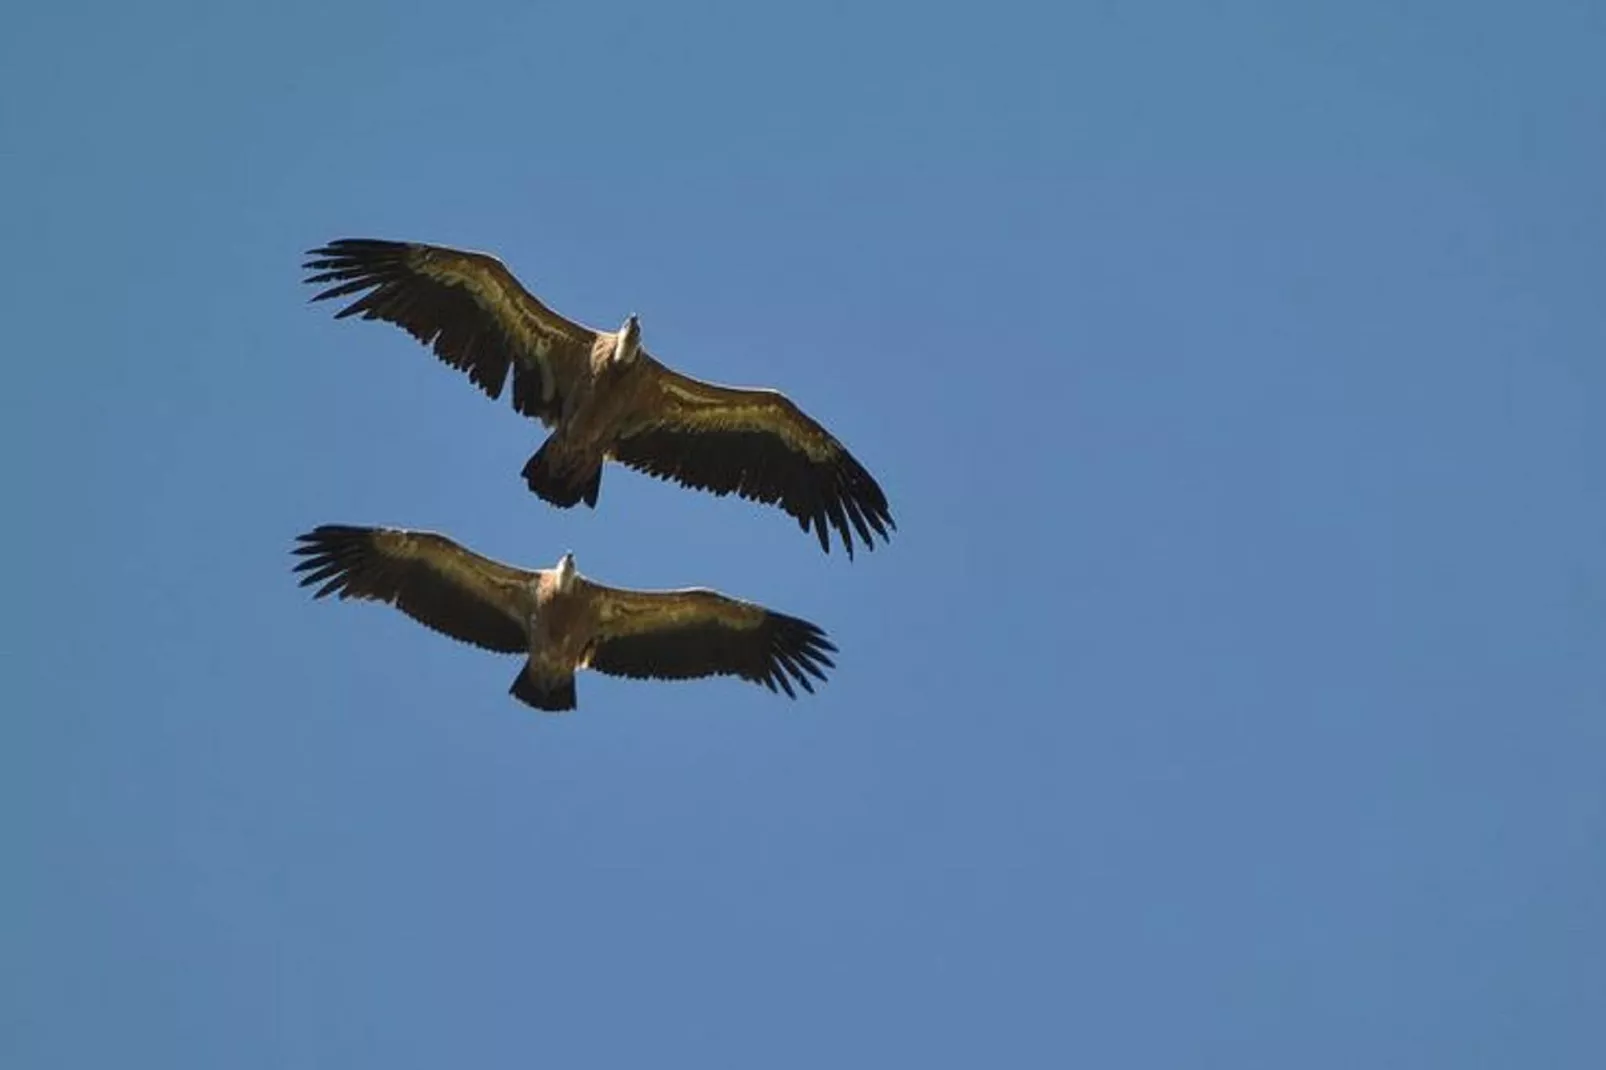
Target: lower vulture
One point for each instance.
(560, 620)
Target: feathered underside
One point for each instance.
(476, 317)
(677, 635)
(467, 307)
(760, 446)
(665, 635)
(428, 577)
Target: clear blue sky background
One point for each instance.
(1232, 694)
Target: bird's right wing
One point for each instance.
(468, 307)
(427, 576)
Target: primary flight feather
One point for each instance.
(603, 394)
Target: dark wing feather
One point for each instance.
(468, 308)
(427, 576)
(756, 444)
(677, 635)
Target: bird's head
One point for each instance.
(566, 571)
(629, 342)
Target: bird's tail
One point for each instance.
(560, 484)
(544, 691)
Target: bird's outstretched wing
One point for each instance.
(468, 308)
(756, 444)
(427, 576)
(676, 635)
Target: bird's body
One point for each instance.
(608, 397)
(605, 397)
(562, 622)
(559, 620)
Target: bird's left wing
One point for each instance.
(756, 444)
(676, 635)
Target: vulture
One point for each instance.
(560, 620)
(601, 392)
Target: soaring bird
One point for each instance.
(560, 620)
(603, 394)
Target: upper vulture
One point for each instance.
(602, 392)
(559, 619)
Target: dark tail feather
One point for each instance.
(564, 489)
(548, 694)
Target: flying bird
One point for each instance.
(603, 394)
(560, 620)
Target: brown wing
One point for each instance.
(757, 444)
(427, 576)
(676, 635)
(468, 307)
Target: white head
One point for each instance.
(566, 571)
(628, 344)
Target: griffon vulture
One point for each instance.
(602, 392)
(558, 619)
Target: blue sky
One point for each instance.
(1231, 695)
